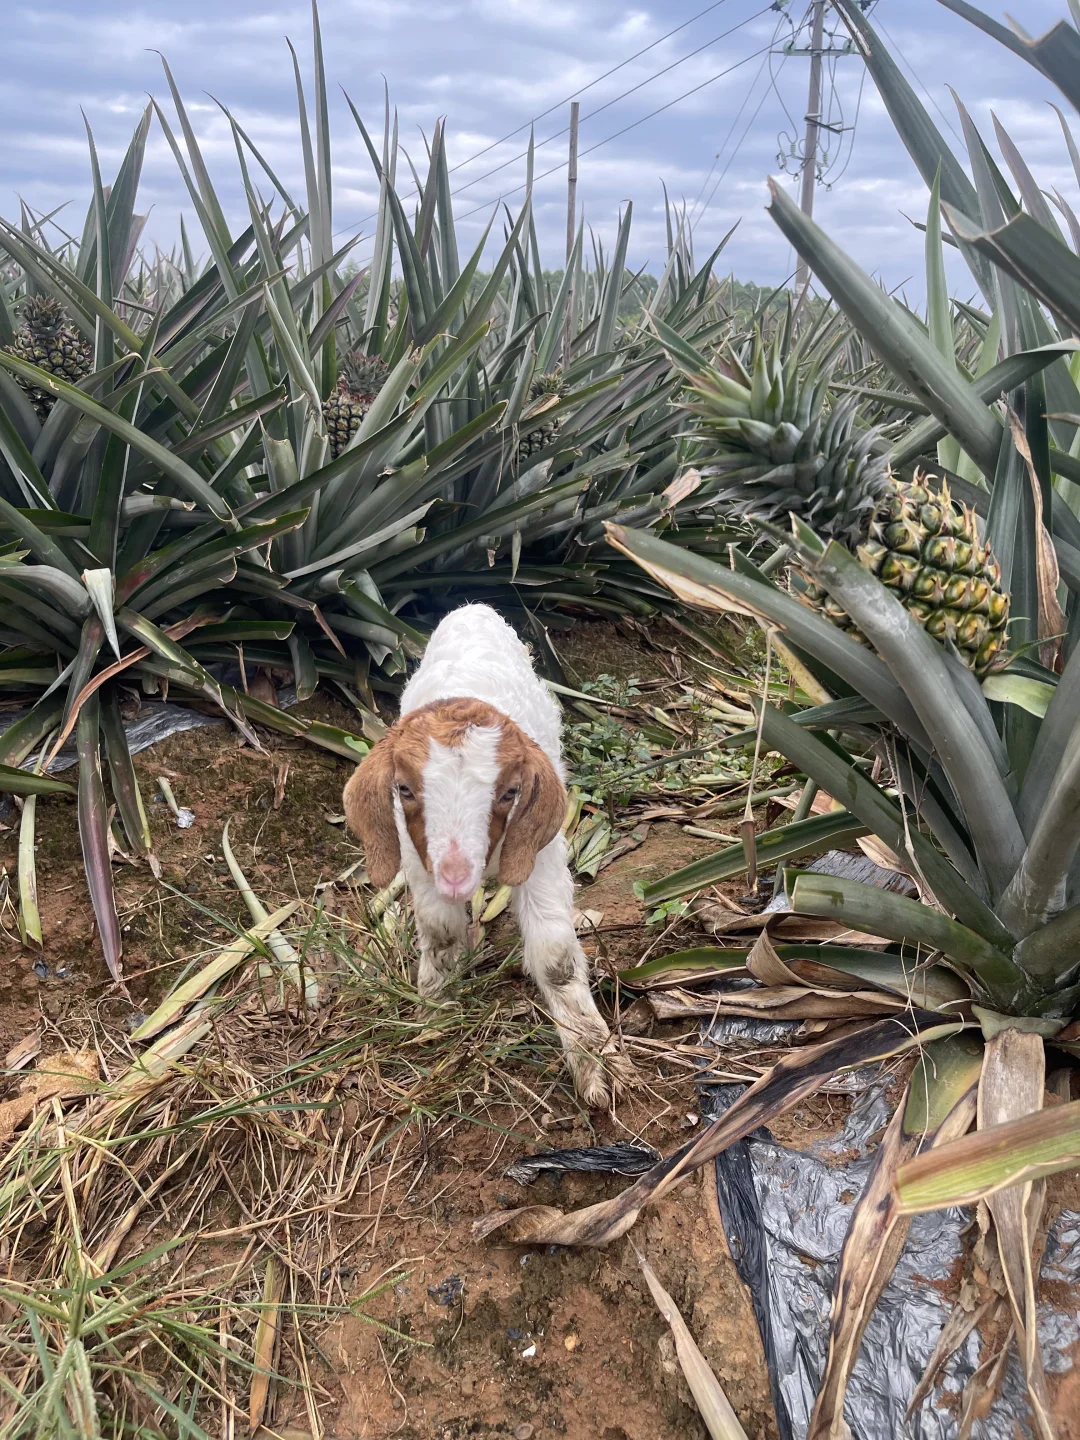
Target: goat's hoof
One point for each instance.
(435, 983)
(620, 1067)
(595, 1080)
(592, 1086)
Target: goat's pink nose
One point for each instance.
(454, 869)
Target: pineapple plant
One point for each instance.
(543, 388)
(47, 338)
(361, 378)
(774, 450)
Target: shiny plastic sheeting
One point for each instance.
(786, 1213)
(155, 721)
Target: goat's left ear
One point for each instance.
(537, 817)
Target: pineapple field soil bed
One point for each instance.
(566, 1342)
(285, 853)
(604, 1364)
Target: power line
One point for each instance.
(854, 126)
(614, 101)
(731, 130)
(765, 60)
(734, 153)
(592, 113)
(795, 29)
(576, 93)
(920, 82)
(632, 126)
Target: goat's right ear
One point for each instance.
(369, 812)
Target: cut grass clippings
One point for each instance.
(174, 1234)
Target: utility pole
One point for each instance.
(813, 125)
(571, 223)
(571, 180)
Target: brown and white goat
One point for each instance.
(469, 784)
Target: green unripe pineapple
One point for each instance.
(47, 338)
(361, 379)
(548, 387)
(768, 439)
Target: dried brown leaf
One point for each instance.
(1012, 1086)
(790, 1081)
(965, 1315)
(22, 1052)
(266, 1337)
(776, 1002)
(713, 1405)
(872, 1247)
(682, 486)
(63, 1076)
(1052, 623)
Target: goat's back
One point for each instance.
(474, 653)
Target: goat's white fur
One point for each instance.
(475, 654)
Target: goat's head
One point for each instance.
(463, 778)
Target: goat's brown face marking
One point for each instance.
(526, 804)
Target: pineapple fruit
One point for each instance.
(47, 338)
(775, 451)
(544, 387)
(361, 379)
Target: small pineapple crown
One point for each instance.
(549, 384)
(363, 374)
(42, 315)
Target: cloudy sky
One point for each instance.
(729, 103)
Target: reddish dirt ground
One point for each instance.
(604, 1364)
(530, 1343)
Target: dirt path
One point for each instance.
(461, 1339)
(499, 1342)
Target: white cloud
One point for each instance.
(488, 65)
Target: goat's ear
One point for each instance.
(536, 819)
(369, 812)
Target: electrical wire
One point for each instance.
(922, 85)
(766, 59)
(632, 126)
(732, 156)
(773, 76)
(854, 126)
(607, 105)
(731, 130)
(575, 93)
(556, 135)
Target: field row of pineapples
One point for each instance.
(289, 447)
(272, 458)
(913, 485)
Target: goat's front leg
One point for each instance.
(555, 960)
(441, 928)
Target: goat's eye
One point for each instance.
(509, 795)
(405, 792)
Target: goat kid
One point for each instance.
(469, 783)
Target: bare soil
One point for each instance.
(569, 1343)
(469, 1339)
